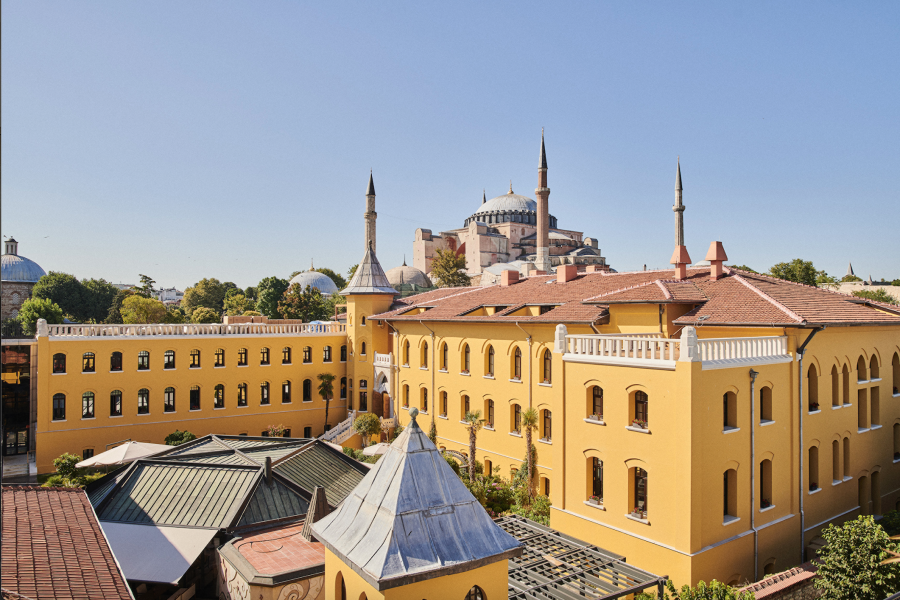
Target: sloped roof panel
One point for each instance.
(319, 464)
(273, 502)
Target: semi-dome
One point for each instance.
(15, 268)
(320, 281)
(509, 207)
(405, 275)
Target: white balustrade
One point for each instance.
(731, 351)
(624, 347)
(195, 329)
(382, 360)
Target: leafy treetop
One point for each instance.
(849, 567)
(798, 270)
(308, 304)
(140, 309)
(177, 437)
(448, 269)
(206, 293)
(367, 425)
(876, 295)
(743, 268)
(268, 293)
(846, 278)
(38, 308)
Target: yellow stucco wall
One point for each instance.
(76, 434)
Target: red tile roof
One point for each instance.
(53, 547)
(781, 582)
(738, 298)
(280, 549)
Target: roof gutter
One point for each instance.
(802, 443)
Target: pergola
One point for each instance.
(555, 566)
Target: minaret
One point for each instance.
(850, 269)
(542, 192)
(370, 215)
(678, 208)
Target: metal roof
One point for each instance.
(411, 518)
(320, 464)
(320, 281)
(15, 268)
(507, 202)
(270, 503)
(155, 554)
(369, 278)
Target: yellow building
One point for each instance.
(100, 384)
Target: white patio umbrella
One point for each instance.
(376, 449)
(126, 453)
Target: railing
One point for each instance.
(342, 432)
(742, 348)
(382, 360)
(193, 329)
(624, 347)
(12, 330)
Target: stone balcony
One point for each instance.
(190, 329)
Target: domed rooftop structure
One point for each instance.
(404, 275)
(15, 268)
(510, 207)
(320, 281)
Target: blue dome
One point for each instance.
(320, 281)
(21, 269)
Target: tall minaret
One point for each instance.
(542, 192)
(370, 215)
(678, 208)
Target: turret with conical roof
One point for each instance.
(369, 278)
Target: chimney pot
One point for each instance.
(566, 273)
(269, 471)
(508, 278)
(681, 259)
(716, 256)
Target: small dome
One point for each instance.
(408, 275)
(18, 268)
(320, 281)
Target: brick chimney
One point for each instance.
(716, 256)
(681, 259)
(566, 273)
(508, 278)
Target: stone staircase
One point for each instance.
(341, 432)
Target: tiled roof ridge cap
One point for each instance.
(770, 299)
(466, 290)
(624, 289)
(610, 274)
(664, 289)
(782, 577)
(19, 487)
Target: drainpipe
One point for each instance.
(528, 338)
(395, 372)
(431, 367)
(802, 445)
(753, 375)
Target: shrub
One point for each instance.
(65, 465)
(714, 590)
(850, 568)
(177, 437)
(366, 426)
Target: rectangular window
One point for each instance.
(307, 432)
(195, 397)
(597, 479)
(143, 401)
(517, 418)
(264, 356)
(264, 393)
(87, 362)
(115, 362)
(169, 400)
(343, 388)
(143, 360)
(169, 359)
(326, 355)
(87, 405)
(490, 413)
(59, 407)
(287, 433)
(195, 359)
(286, 392)
(220, 358)
(363, 395)
(59, 363)
(88, 453)
(343, 353)
(640, 493)
(219, 396)
(115, 404)
(242, 394)
(242, 357)
(286, 355)
(307, 354)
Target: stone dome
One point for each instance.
(509, 207)
(320, 281)
(15, 268)
(408, 275)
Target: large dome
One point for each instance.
(513, 202)
(405, 275)
(320, 281)
(509, 207)
(18, 268)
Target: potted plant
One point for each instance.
(638, 513)
(639, 424)
(813, 486)
(813, 406)
(764, 503)
(896, 455)
(595, 500)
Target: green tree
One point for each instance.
(529, 424)
(714, 590)
(250, 293)
(237, 304)
(38, 308)
(367, 425)
(847, 278)
(98, 299)
(339, 281)
(177, 437)
(850, 569)
(206, 293)
(743, 268)
(146, 288)
(331, 304)
(174, 315)
(449, 269)
(65, 465)
(326, 390)
(205, 315)
(432, 432)
(876, 295)
(269, 292)
(823, 277)
(798, 270)
(65, 290)
(895, 282)
(139, 309)
(308, 304)
(474, 422)
(114, 316)
(351, 272)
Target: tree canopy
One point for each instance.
(177, 437)
(367, 425)
(38, 308)
(268, 293)
(743, 268)
(876, 295)
(237, 304)
(140, 309)
(822, 277)
(798, 270)
(308, 305)
(448, 269)
(847, 278)
(204, 315)
(86, 301)
(339, 281)
(146, 288)
(849, 567)
(206, 293)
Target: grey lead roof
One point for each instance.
(369, 278)
(411, 519)
(370, 191)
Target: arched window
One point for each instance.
(362, 348)
(326, 354)
(517, 364)
(765, 484)
(845, 372)
(464, 407)
(220, 357)
(640, 494)
(307, 354)
(307, 390)
(406, 353)
(445, 357)
(143, 360)
(242, 357)
(143, 401)
(286, 355)
(263, 356)
(219, 396)
(425, 355)
(169, 399)
(641, 418)
(516, 420)
(896, 442)
(362, 321)
(813, 467)
(465, 359)
(835, 387)
(765, 404)
(59, 407)
(169, 359)
(595, 403)
(405, 396)
(596, 481)
(343, 388)
(349, 394)
(546, 425)
(861, 370)
(729, 411)
(115, 361)
(489, 413)
(195, 359)
(874, 371)
(363, 395)
(489, 367)
(264, 393)
(476, 593)
(424, 405)
(895, 367)
(340, 591)
(548, 367)
(87, 362)
(836, 458)
(443, 404)
(286, 392)
(242, 394)
(194, 398)
(344, 353)
(812, 379)
(115, 403)
(59, 363)
(846, 457)
(729, 494)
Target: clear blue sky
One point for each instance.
(234, 140)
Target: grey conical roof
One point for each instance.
(678, 175)
(850, 269)
(371, 189)
(543, 152)
(411, 518)
(369, 278)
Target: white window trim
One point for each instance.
(592, 505)
(766, 509)
(731, 429)
(637, 429)
(594, 421)
(730, 519)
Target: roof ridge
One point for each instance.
(624, 289)
(771, 300)
(664, 289)
(844, 297)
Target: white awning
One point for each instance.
(156, 554)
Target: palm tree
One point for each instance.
(529, 423)
(473, 423)
(326, 389)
